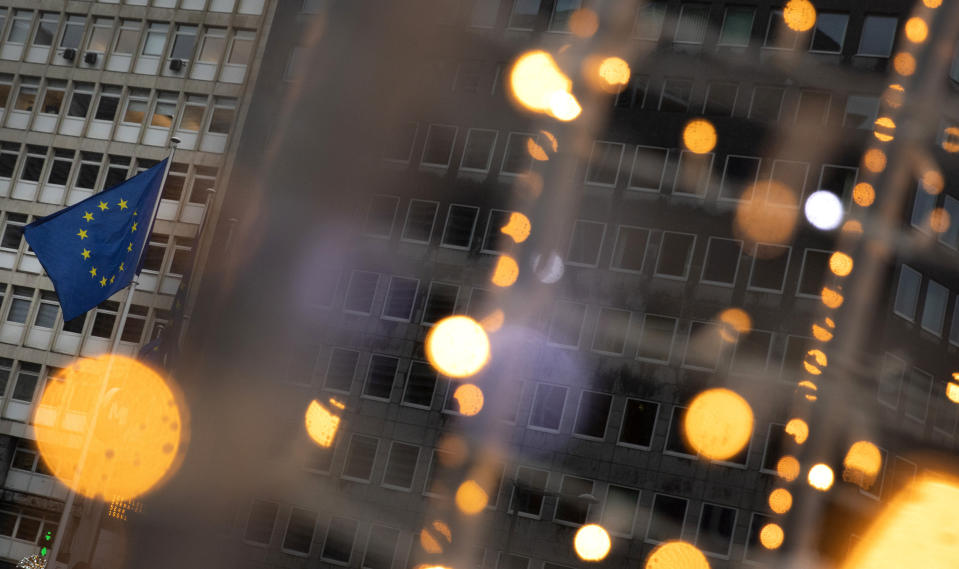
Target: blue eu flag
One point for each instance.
(91, 250)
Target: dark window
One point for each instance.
(604, 163)
(739, 177)
(401, 465)
(675, 254)
(420, 384)
(592, 414)
(722, 260)
(586, 242)
(60, 169)
(633, 94)
(830, 32)
(524, 14)
(339, 374)
(766, 103)
(547, 409)
(6, 365)
(619, 514)
(13, 230)
(813, 272)
(319, 459)
(460, 224)
(75, 325)
(9, 152)
(813, 107)
(692, 176)
(878, 33)
(656, 340)
(105, 318)
(630, 249)
(435, 478)
(737, 26)
(639, 422)
(380, 547)
(518, 159)
(439, 145)
(419, 221)
(400, 298)
(479, 149)
(259, 526)
(380, 215)
(528, 492)
(674, 438)
(440, 303)
(838, 180)
(769, 267)
(108, 104)
(80, 100)
(675, 97)
(495, 239)
(299, 532)
(379, 380)
(666, 519)
(775, 441)
(360, 457)
(339, 540)
(569, 506)
(754, 548)
(611, 329)
(33, 165)
(649, 163)
(359, 297)
(566, 324)
(721, 98)
(703, 346)
(796, 348)
(752, 352)
(716, 526)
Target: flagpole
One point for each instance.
(71, 493)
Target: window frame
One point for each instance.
(689, 257)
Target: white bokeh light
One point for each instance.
(824, 210)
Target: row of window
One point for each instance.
(921, 218)
(111, 111)
(228, 6)
(933, 309)
(909, 388)
(185, 50)
(25, 524)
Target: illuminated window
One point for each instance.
(586, 243)
(775, 445)
(813, 108)
(703, 346)
(478, 151)
(604, 163)
(907, 293)
(338, 545)
(259, 526)
(829, 33)
(495, 241)
(420, 384)
(401, 466)
(769, 267)
(649, 20)
(656, 339)
(359, 293)
(766, 103)
(630, 249)
(861, 111)
(527, 499)
(720, 98)
(164, 109)
(715, 534)
(752, 353)
(379, 378)
(675, 96)
(547, 409)
(299, 531)
(666, 518)
(814, 272)
(639, 423)
(380, 547)
(592, 414)
(737, 26)
(721, 264)
(691, 28)
(890, 380)
(420, 217)
(566, 324)
(741, 173)
(619, 512)
(460, 225)
(360, 457)
(341, 368)
(878, 33)
(438, 149)
(611, 329)
(934, 307)
(649, 167)
(916, 392)
(524, 14)
(562, 11)
(569, 507)
(400, 299)
(440, 302)
(675, 255)
(692, 176)
(517, 159)
(675, 443)
(484, 13)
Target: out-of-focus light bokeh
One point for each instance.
(862, 464)
(952, 392)
(518, 227)
(614, 74)
(735, 321)
(916, 29)
(820, 477)
(863, 194)
(799, 15)
(840, 264)
(788, 468)
(676, 555)
(824, 210)
(831, 297)
(592, 543)
(904, 64)
(458, 346)
(771, 536)
(798, 430)
(471, 499)
(874, 160)
(506, 271)
(538, 84)
(780, 500)
(718, 423)
(699, 136)
(321, 424)
(469, 398)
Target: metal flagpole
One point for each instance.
(72, 494)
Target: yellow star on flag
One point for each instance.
(82, 234)
(112, 277)
(88, 216)
(103, 206)
(130, 247)
(86, 253)
(122, 204)
(134, 213)
(93, 272)
(134, 228)
(121, 267)
(103, 281)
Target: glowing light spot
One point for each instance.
(863, 194)
(814, 361)
(823, 210)
(738, 320)
(536, 151)
(553, 143)
(939, 220)
(760, 222)
(139, 428)
(457, 346)
(321, 425)
(840, 264)
(799, 15)
(952, 392)
(699, 136)
(549, 269)
(771, 536)
(494, 321)
(861, 465)
(894, 95)
(852, 226)
(718, 423)
(820, 477)
(506, 271)
(592, 543)
(535, 79)
(470, 399)
(904, 64)
(614, 73)
(788, 468)
(831, 297)
(798, 430)
(916, 29)
(337, 404)
(564, 106)
(676, 555)
(471, 499)
(950, 142)
(518, 227)
(932, 3)
(806, 384)
(885, 127)
(455, 451)
(780, 500)
(874, 160)
(916, 529)
(430, 538)
(584, 23)
(821, 333)
(932, 182)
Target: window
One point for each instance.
(611, 329)
(675, 255)
(338, 546)
(766, 103)
(360, 457)
(400, 298)
(495, 240)
(342, 366)
(861, 111)
(675, 95)
(619, 513)
(6, 366)
(108, 103)
(299, 531)
(401, 465)
(716, 525)
(136, 106)
(128, 37)
(721, 98)
(739, 177)
(221, 120)
(639, 423)
(656, 339)
(813, 107)
(562, 12)
(80, 100)
(722, 261)
(100, 35)
(838, 180)
(775, 441)
(524, 14)
(460, 225)
(46, 29)
(829, 35)
(211, 49)
(675, 443)
(436, 485)
(379, 378)
(20, 26)
(438, 149)
(902, 473)
(27, 378)
(953, 327)
(26, 457)
(547, 409)
(27, 94)
(566, 324)
(164, 110)
(528, 491)
(692, 177)
(9, 153)
(916, 394)
(241, 48)
(570, 508)
(155, 252)
(420, 384)
(33, 163)
(945, 411)
(440, 302)
(592, 414)
(752, 353)
(737, 26)
(950, 237)
(703, 346)
(604, 163)
(106, 316)
(517, 159)
(649, 20)
(934, 307)
(420, 217)
(53, 97)
(630, 249)
(380, 215)
(20, 304)
(191, 118)
(692, 24)
(890, 380)
(769, 267)
(634, 94)
(380, 547)
(134, 324)
(907, 293)
(649, 167)
(586, 242)
(878, 33)
(793, 357)
(48, 309)
(259, 526)
(156, 39)
(184, 40)
(13, 230)
(754, 548)
(666, 518)
(478, 152)
(778, 34)
(813, 273)
(359, 295)
(922, 207)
